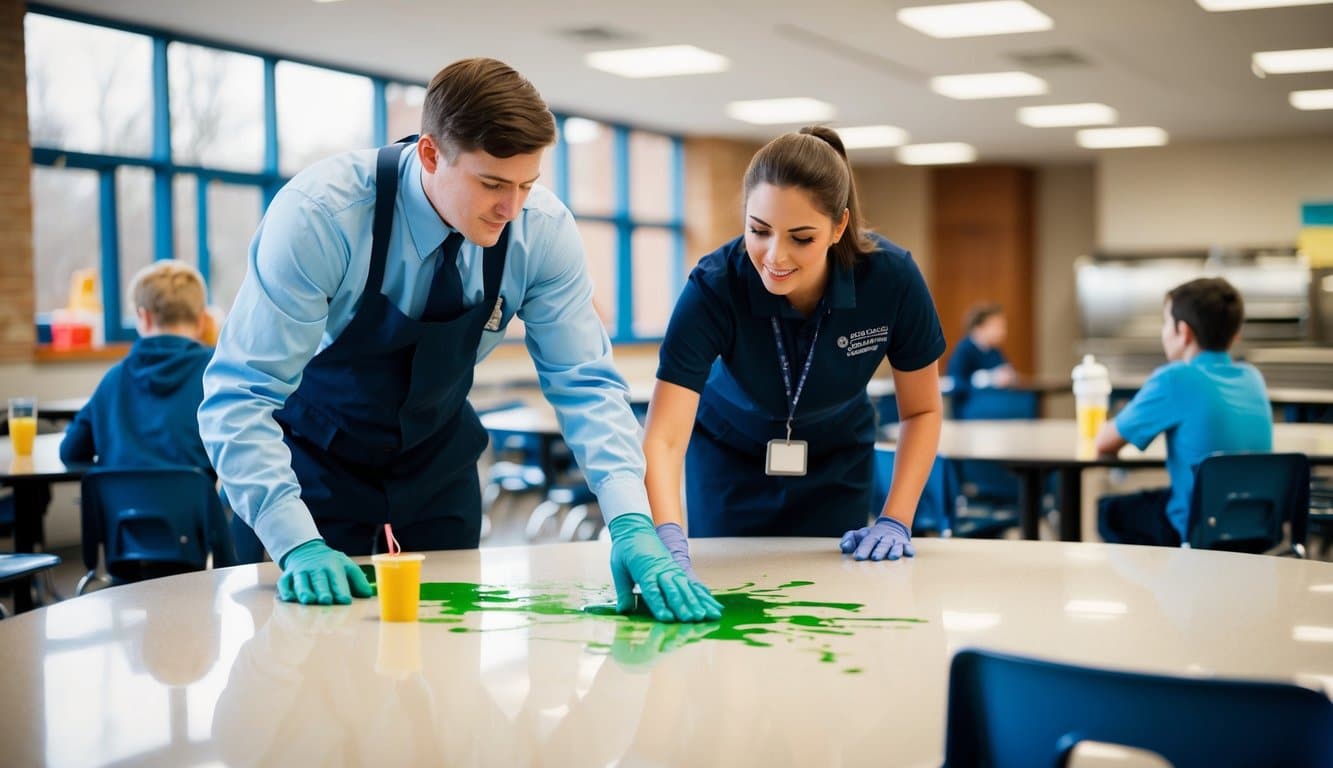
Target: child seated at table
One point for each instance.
(1204, 402)
(142, 413)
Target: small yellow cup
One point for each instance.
(398, 582)
(22, 424)
(1091, 417)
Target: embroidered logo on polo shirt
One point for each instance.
(863, 341)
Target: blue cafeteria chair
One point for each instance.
(150, 522)
(1242, 500)
(1009, 712)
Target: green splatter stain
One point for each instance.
(752, 615)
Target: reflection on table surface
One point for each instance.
(821, 660)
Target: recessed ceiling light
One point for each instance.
(1066, 115)
(989, 85)
(1000, 17)
(1245, 5)
(1308, 100)
(1288, 62)
(1110, 138)
(660, 61)
(581, 130)
(867, 136)
(776, 111)
(944, 153)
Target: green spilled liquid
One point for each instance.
(751, 615)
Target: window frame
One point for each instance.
(268, 180)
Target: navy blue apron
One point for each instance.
(727, 492)
(380, 429)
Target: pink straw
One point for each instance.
(394, 547)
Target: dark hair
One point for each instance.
(485, 104)
(980, 313)
(815, 161)
(1211, 307)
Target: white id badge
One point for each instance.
(785, 457)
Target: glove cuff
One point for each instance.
(629, 525)
(897, 524)
(301, 549)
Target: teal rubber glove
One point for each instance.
(639, 557)
(315, 574)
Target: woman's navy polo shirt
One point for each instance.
(720, 343)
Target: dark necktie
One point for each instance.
(445, 301)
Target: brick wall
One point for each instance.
(17, 334)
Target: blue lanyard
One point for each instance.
(794, 398)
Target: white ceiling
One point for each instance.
(1158, 62)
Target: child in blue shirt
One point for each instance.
(143, 411)
(977, 361)
(1204, 402)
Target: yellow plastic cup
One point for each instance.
(399, 652)
(22, 424)
(398, 582)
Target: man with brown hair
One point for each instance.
(337, 401)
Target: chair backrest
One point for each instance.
(1011, 711)
(151, 521)
(1241, 500)
(1000, 403)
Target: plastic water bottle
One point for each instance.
(1092, 396)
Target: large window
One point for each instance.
(147, 145)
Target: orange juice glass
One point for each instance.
(22, 424)
(398, 582)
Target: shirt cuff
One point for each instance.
(624, 495)
(284, 527)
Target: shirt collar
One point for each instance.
(1212, 357)
(840, 293)
(426, 227)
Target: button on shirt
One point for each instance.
(1207, 405)
(308, 265)
(878, 308)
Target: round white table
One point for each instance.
(835, 662)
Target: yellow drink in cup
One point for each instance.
(22, 424)
(398, 582)
(1091, 417)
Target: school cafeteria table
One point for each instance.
(31, 478)
(1031, 448)
(820, 661)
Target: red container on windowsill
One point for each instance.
(69, 335)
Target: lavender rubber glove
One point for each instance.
(887, 539)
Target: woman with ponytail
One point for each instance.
(761, 381)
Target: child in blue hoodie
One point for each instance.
(143, 412)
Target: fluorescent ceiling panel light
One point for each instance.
(777, 111)
(580, 130)
(945, 153)
(990, 85)
(1000, 17)
(660, 61)
(1066, 115)
(1289, 62)
(1246, 5)
(867, 136)
(1308, 100)
(1110, 138)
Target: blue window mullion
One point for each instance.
(201, 234)
(163, 246)
(677, 216)
(110, 268)
(561, 164)
(379, 123)
(624, 237)
(270, 130)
